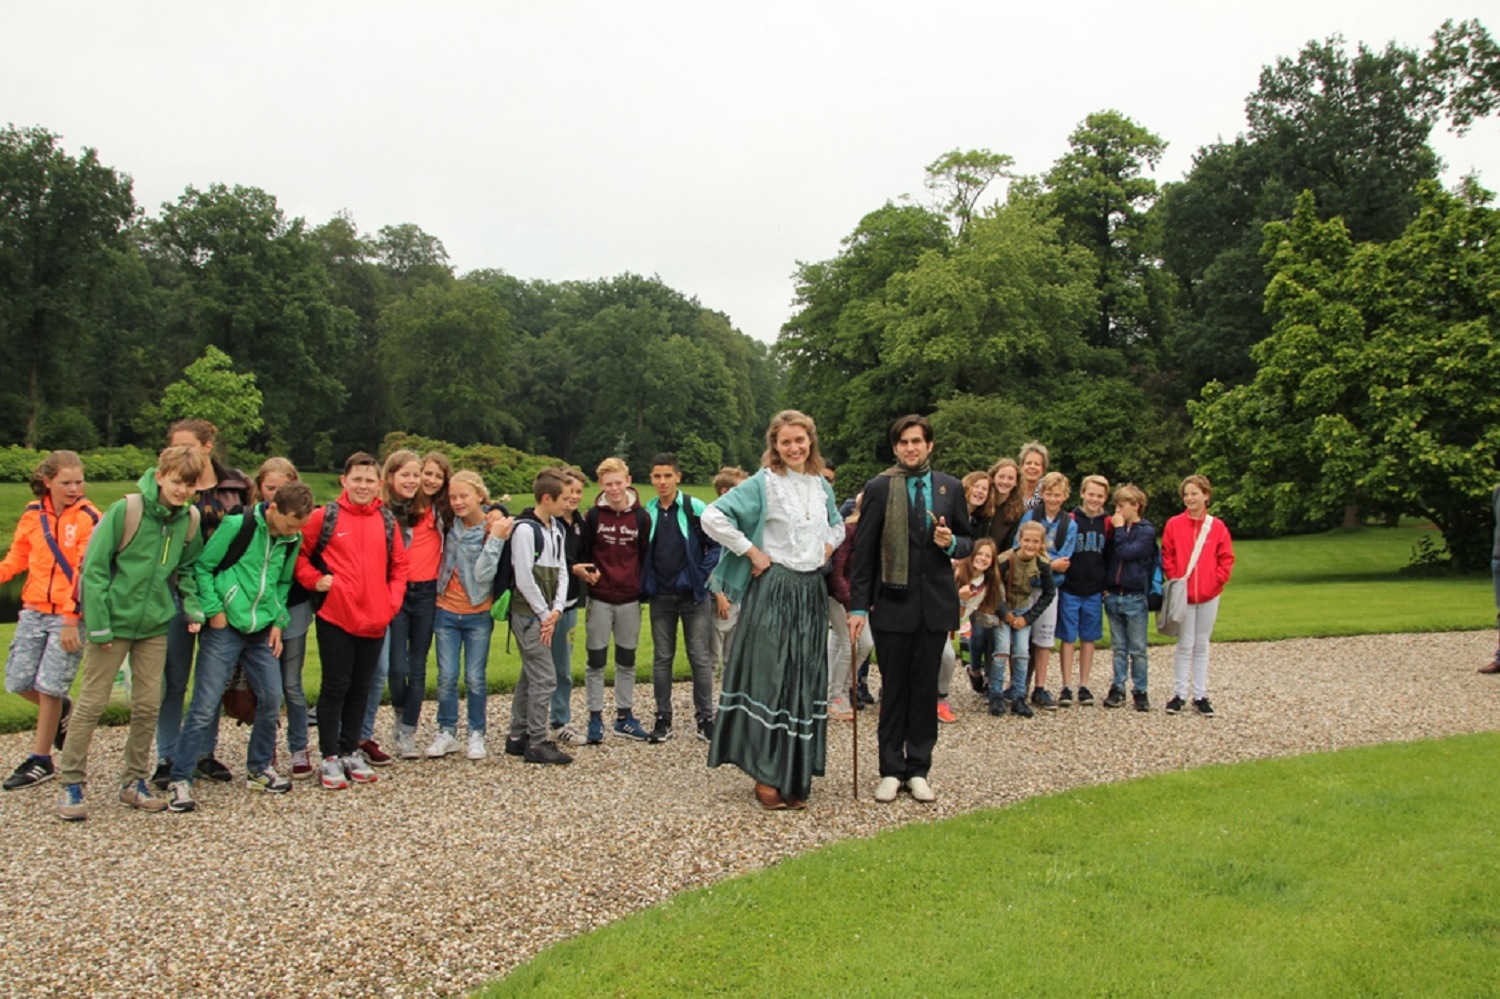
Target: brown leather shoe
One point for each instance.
(770, 799)
(796, 804)
(1490, 668)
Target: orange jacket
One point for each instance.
(49, 586)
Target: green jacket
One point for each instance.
(128, 594)
(252, 592)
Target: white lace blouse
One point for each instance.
(796, 527)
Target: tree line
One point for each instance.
(1307, 316)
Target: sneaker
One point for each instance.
(1142, 702)
(268, 780)
(444, 744)
(596, 730)
(663, 730)
(35, 770)
(839, 710)
(567, 735)
(705, 730)
(477, 748)
(374, 755)
(358, 768)
(546, 752)
(406, 746)
(180, 796)
(211, 769)
(162, 775)
(1065, 699)
(631, 728)
(1174, 705)
(997, 706)
(945, 713)
(516, 747)
(302, 767)
(977, 680)
(1019, 707)
(70, 807)
(1043, 700)
(331, 774)
(865, 697)
(1085, 697)
(137, 794)
(1114, 698)
(61, 735)
(1204, 708)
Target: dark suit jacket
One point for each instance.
(930, 601)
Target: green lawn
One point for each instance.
(1364, 872)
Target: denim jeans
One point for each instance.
(1015, 644)
(697, 624)
(562, 661)
(174, 685)
(411, 640)
(218, 650)
(377, 685)
(1128, 615)
(293, 652)
(466, 635)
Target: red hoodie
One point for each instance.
(1214, 564)
(368, 589)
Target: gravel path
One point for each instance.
(448, 873)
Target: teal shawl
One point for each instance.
(745, 506)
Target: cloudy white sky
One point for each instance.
(712, 144)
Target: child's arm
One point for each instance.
(1224, 561)
(187, 581)
(203, 569)
(19, 555)
(284, 583)
(488, 562)
(1049, 593)
(97, 565)
(306, 573)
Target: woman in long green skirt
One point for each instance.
(778, 528)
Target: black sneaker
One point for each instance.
(705, 730)
(997, 706)
(1174, 705)
(61, 736)
(516, 747)
(1204, 708)
(211, 769)
(35, 770)
(546, 752)
(1043, 700)
(1085, 697)
(162, 775)
(1018, 706)
(865, 697)
(1065, 699)
(977, 680)
(1114, 698)
(663, 730)
(1142, 702)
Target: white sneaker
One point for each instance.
(567, 735)
(406, 746)
(477, 750)
(920, 790)
(332, 774)
(444, 744)
(358, 768)
(886, 790)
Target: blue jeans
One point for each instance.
(562, 659)
(218, 650)
(174, 685)
(697, 625)
(982, 645)
(410, 637)
(1014, 644)
(293, 652)
(1128, 615)
(469, 635)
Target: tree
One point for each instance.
(1463, 69)
(1376, 387)
(960, 178)
(60, 218)
(211, 390)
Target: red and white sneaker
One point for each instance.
(357, 769)
(332, 774)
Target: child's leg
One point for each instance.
(1090, 631)
(147, 656)
(218, 650)
(532, 700)
(263, 673)
(626, 627)
(596, 628)
(999, 663)
(476, 630)
(376, 684)
(1137, 617)
(100, 663)
(839, 651)
(1043, 630)
(664, 615)
(423, 601)
(368, 654)
(336, 652)
(1119, 639)
(1203, 616)
(40, 671)
(945, 668)
(448, 632)
(561, 707)
(293, 654)
(1020, 662)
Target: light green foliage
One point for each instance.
(211, 390)
(958, 179)
(1376, 388)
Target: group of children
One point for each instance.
(412, 552)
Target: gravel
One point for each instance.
(448, 873)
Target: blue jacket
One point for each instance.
(1132, 558)
(474, 555)
(702, 551)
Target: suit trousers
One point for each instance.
(908, 700)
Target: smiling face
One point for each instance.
(1053, 499)
(614, 485)
(66, 487)
(984, 557)
(1033, 467)
(406, 480)
(1005, 481)
(362, 483)
(1094, 496)
(793, 446)
(464, 501)
(173, 491)
(978, 493)
(1031, 541)
(1195, 499)
(433, 479)
(664, 479)
(912, 449)
(572, 496)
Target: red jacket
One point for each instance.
(1214, 564)
(368, 589)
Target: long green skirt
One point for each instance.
(773, 705)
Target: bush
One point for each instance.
(505, 469)
(107, 464)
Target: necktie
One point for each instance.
(919, 509)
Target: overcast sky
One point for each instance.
(712, 144)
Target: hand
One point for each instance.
(942, 535)
(70, 640)
(759, 561)
(856, 628)
(325, 584)
(1061, 564)
(827, 551)
(549, 626)
(1118, 519)
(275, 641)
(219, 621)
(965, 592)
(721, 606)
(194, 627)
(585, 572)
(500, 525)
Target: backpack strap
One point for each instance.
(242, 538)
(57, 552)
(330, 521)
(135, 507)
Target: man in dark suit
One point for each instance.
(913, 522)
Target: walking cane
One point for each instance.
(854, 706)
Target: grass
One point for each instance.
(1363, 872)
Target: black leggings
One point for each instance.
(348, 664)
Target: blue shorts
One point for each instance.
(1079, 617)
